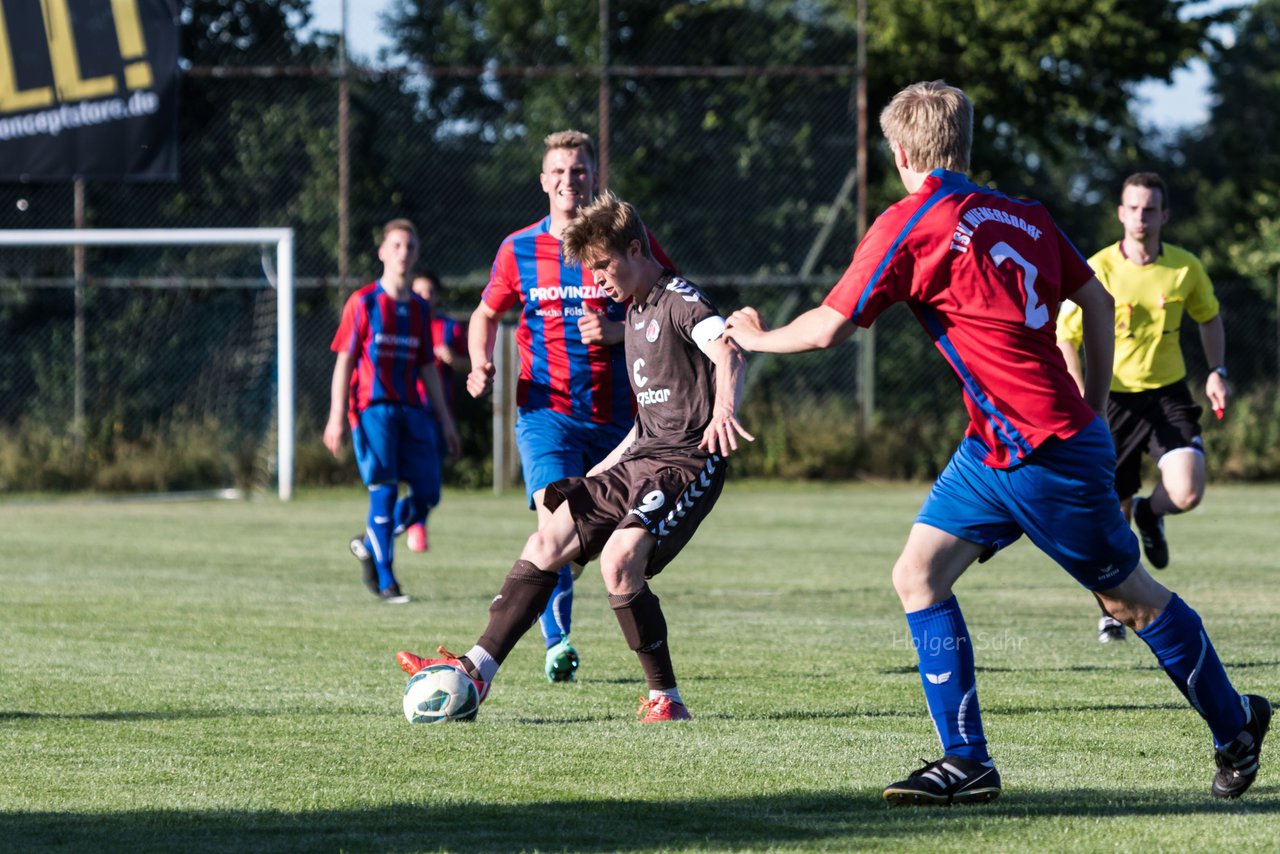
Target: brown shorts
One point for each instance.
(667, 496)
(1155, 422)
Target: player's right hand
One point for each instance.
(480, 380)
(744, 326)
(721, 435)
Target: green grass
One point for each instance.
(213, 676)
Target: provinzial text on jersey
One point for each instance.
(390, 340)
(554, 292)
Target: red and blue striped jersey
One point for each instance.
(390, 340)
(984, 274)
(557, 370)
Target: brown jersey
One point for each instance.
(672, 379)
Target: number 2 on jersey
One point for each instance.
(1037, 315)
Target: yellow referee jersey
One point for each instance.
(1150, 302)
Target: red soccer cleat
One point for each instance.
(662, 709)
(411, 664)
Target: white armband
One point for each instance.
(707, 331)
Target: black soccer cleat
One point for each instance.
(1238, 761)
(370, 571)
(392, 595)
(949, 780)
(1151, 532)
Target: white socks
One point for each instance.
(672, 693)
(484, 662)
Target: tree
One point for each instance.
(1229, 176)
(758, 159)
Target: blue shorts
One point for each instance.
(554, 446)
(396, 443)
(1062, 497)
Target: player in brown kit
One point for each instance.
(639, 506)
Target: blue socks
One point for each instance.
(378, 530)
(1178, 639)
(558, 615)
(406, 513)
(942, 643)
(410, 510)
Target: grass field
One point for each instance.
(213, 676)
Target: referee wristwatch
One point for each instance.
(1221, 371)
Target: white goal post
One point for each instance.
(281, 238)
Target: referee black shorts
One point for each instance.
(1156, 422)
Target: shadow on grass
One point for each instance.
(911, 669)
(183, 714)
(826, 819)
(1146, 665)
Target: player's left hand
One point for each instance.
(596, 328)
(744, 326)
(1217, 390)
(721, 435)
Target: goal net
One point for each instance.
(153, 360)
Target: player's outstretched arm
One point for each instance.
(482, 334)
(1098, 311)
(721, 435)
(816, 329)
(339, 390)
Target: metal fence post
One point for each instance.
(505, 376)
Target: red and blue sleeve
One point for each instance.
(346, 339)
(503, 290)
(878, 276)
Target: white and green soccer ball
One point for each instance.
(440, 693)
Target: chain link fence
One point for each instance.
(745, 176)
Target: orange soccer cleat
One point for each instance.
(662, 709)
(411, 664)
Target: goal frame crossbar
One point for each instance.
(281, 238)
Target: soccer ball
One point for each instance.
(440, 693)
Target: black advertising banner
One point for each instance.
(88, 89)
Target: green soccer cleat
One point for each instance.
(562, 662)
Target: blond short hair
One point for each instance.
(571, 139)
(607, 224)
(399, 224)
(933, 123)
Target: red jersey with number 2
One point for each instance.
(984, 274)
